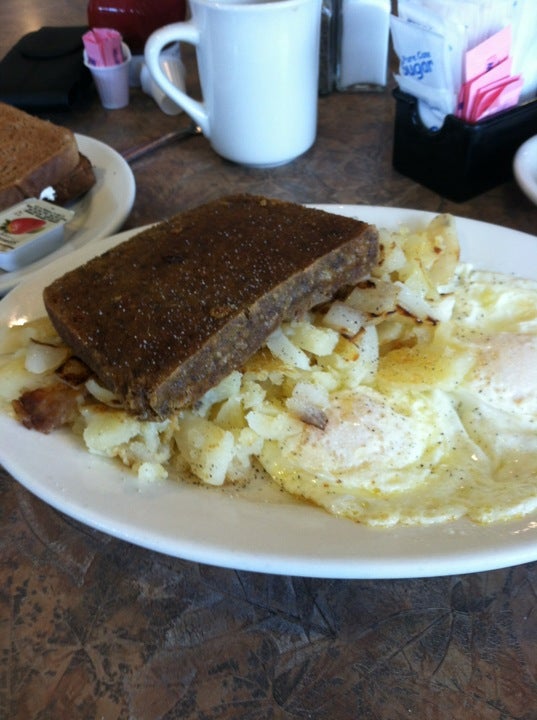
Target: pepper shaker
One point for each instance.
(328, 46)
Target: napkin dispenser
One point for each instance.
(461, 159)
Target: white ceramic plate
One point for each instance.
(98, 214)
(525, 168)
(260, 531)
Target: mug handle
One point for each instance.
(176, 32)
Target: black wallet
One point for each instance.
(45, 71)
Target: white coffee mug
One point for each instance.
(258, 66)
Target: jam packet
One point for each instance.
(30, 230)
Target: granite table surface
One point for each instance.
(95, 627)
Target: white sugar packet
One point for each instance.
(524, 47)
(424, 70)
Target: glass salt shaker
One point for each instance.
(363, 38)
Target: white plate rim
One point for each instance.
(525, 168)
(115, 188)
(206, 526)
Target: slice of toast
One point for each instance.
(164, 316)
(34, 154)
(76, 183)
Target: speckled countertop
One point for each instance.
(94, 627)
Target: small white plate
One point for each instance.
(99, 213)
(525, 168)
(260, 530)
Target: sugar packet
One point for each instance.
(424, 69)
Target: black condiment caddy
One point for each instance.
(461, 159)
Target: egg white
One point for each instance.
(447, 429)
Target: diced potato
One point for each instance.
(107, 429)
(324, 379)
(42, 357)
(280, 346)
(368, 349)
(271, 423)
(206, 448)
(442, 229)
(230, 414)
(308, 402)
(310, 394)
(252, 393)
(378, 299)
(393, 257)
(345, 319)
(101, 393)
(317, 340)
(226, 388)
(15, 378)
(17, 334)
(152, 472)
(248, 445)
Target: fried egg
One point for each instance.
(447, 429)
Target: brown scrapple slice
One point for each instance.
(166, 315)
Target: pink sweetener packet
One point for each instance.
(110, 42)
(497, 98)
(470, 88)
(93, 49)
(488, 54)
(103, 47)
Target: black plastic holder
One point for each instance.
(461, 160)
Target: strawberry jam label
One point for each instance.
(29, 230)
